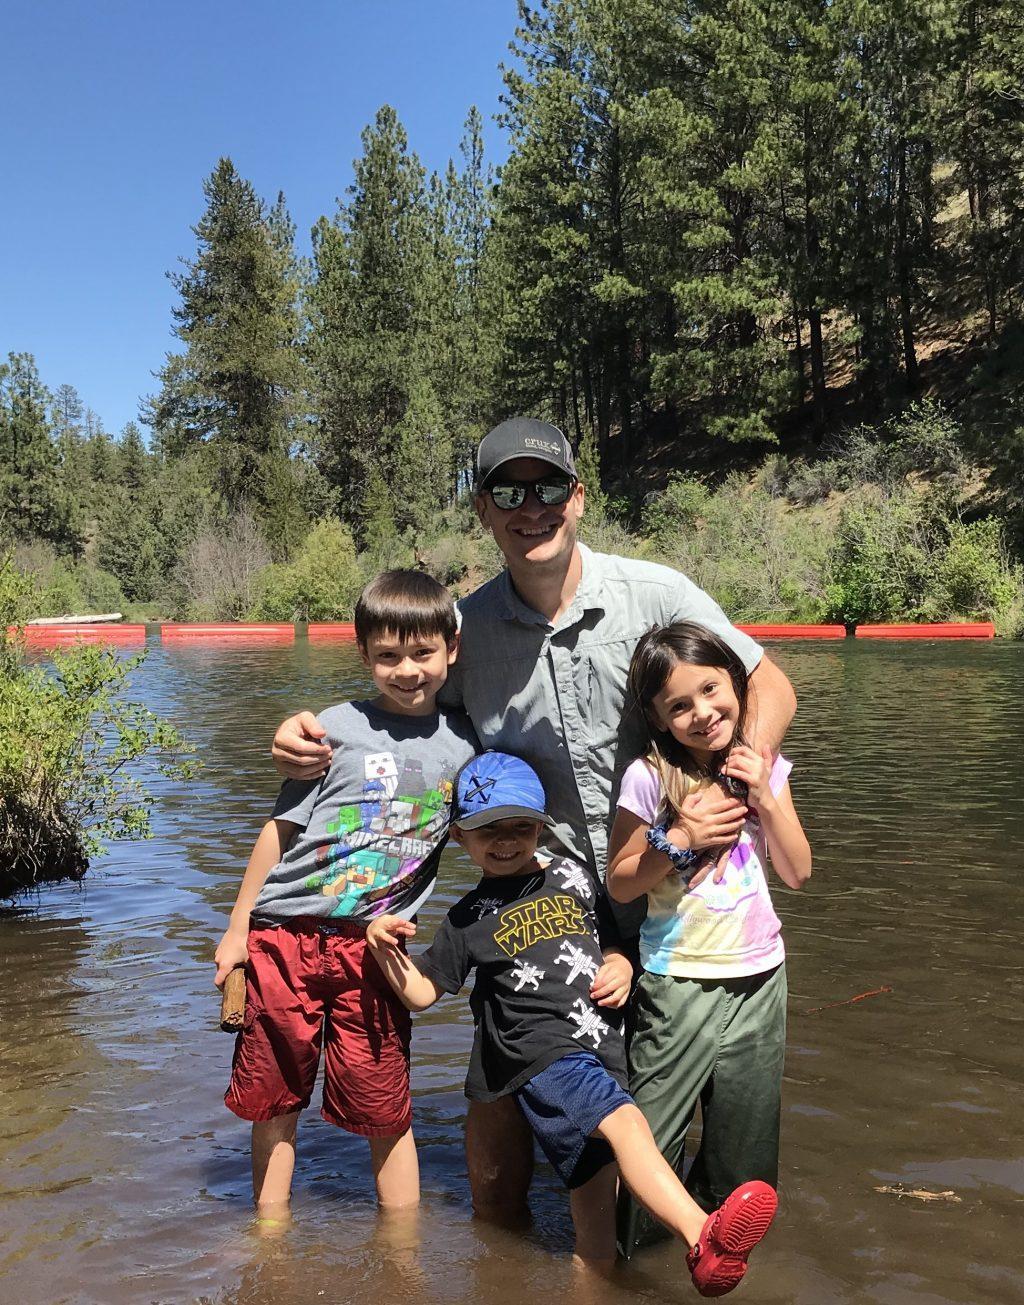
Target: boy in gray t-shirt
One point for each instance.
(338, 851)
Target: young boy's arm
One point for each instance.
(384, 936)
(232, 950)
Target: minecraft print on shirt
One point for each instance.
(379, 846)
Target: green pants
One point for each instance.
(721, 1043)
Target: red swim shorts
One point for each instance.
(306, 987)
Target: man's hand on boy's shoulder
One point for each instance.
(298, 751)
(612, 982)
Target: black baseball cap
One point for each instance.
(523, 437)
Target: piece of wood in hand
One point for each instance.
(232, 1005)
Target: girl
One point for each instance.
(711, 1004)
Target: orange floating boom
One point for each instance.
(332, 630)
(271, 632)
(941, 630)
(794, 631)
(67, 632)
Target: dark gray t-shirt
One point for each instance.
(535, 941)
(373, 827)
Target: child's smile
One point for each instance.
(408, 672)
(698, 706)
(506, 847)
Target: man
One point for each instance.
(541, 672)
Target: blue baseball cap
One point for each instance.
(497, 786)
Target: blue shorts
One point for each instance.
(564, 1104)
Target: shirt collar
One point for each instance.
(587, 598)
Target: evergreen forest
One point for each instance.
(762, 260)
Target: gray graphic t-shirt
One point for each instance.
(372, 829)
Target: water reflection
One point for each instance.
(125, 1179)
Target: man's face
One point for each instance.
(532, 534)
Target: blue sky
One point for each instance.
(115, 111)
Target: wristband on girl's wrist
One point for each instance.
(684, 859)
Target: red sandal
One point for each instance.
(719, 1260)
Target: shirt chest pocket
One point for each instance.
(600, 673)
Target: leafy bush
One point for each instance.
(758, 559)
(813, 482)
(973, 576)
(63, 587)
(321, 583)
(882, 565)
(458, 552)
(927, 440)
(67, 742)
(677, 508)
(900, 555)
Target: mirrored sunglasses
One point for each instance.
(509, 494)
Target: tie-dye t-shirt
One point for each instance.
(372, 829)
(714, 931)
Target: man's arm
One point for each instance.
(772, 705)
(298, 750)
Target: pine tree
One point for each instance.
(983, 114)
(889, 79)
(542, 236)
(235, 386)
(35, 502)
(379, 302)
(66, 413)
(133, 460)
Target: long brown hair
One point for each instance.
(658, 652)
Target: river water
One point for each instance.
(124, 1179)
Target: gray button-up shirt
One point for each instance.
(555, 694)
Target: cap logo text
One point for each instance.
(546, 445)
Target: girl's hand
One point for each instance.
(612, 982)
(714, 866)
(386, 932)
(232, 951)
(754, 768)
(709, 819)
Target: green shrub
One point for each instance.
(883, 561)
(927, 440)
(974, 577)
(68, 741)
(321, 583)
(761, 561)
(63, 587)
(677, 508)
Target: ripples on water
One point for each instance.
(125, 1179)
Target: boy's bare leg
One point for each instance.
(593, 1217)
(396, 1170)
(273, 1162)
(648, 1175)
(499, 1158)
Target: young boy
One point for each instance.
(338, 851)
(542, 941)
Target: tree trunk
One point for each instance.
(819, 399)
(905, 281)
